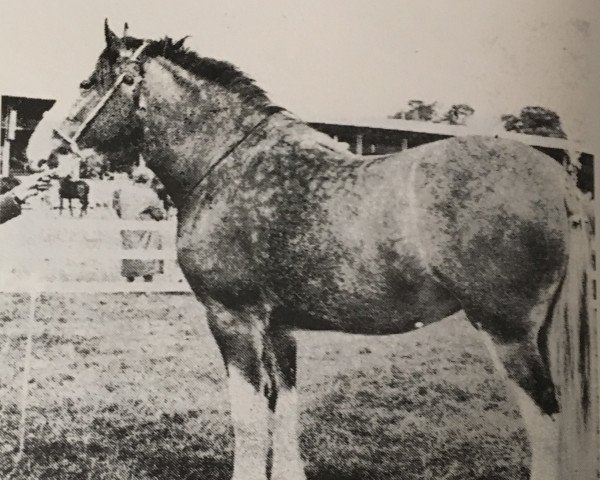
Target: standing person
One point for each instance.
(13, 199)
(161, 191)
(137, 201)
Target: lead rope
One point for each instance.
(34, 293)
(229, 151)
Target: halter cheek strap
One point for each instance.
(72, 141)
(142, 103)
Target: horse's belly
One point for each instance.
(383, 296)
(371, 314)
(384, 289)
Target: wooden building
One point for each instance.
(20, 115)
(18, 118)
(382, 136)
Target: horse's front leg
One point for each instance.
(281, 348)
(239, 333)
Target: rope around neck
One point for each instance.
(228, 152)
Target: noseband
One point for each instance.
(72, 141)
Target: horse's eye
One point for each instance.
(128, 79)
(85, 85)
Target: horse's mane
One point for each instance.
(220, 72)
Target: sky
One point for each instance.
(348, 59)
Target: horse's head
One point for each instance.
(190, 111)
(104, 117)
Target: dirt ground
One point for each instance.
(131, 386)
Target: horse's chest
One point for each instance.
(216, 253)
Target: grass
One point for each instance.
(129, 386)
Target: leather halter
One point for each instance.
(72, 141)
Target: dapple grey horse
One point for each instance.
(280, 227)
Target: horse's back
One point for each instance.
(375, 245)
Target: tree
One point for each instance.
(534, 120)
(93, 165)
(418, 110)
(457, 114)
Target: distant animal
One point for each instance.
(74, 189)
(280, 228)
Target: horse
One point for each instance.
(74, 189)
(281, 228)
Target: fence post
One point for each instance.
(11, 125)
(359, 144)
(595, 330)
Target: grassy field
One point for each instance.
(129, 386)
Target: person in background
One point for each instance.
(161, 191)
(137, 201)
(17, 193)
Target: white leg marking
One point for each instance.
(250, 414)
(287, 464)
(542, 430)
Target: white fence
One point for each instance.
(46, 253)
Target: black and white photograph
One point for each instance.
(284, 240)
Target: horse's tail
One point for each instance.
(572, 340)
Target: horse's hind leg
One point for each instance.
(287, 464)
(525, 368)
(542, 431)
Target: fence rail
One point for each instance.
(107, 254)
(97, 287)
(105, 232)
(115, 224)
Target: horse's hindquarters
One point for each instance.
(493, 227)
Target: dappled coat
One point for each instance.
(139, 202)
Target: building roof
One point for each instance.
(452, 130)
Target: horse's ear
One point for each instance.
(125, 29)
(177, 45)
(113, 42)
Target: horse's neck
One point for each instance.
(189, 126)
